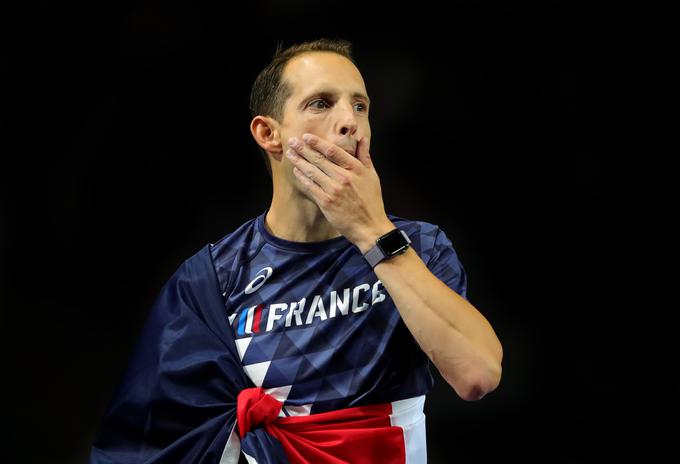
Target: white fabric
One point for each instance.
(250, 459)
(408, 414)
(232, 449)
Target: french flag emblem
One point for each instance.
(249, 321)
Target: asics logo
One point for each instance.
(259, 280)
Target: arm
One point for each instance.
(451, 331)
(455, 336)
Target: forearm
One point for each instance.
(452, 332)
(456, 337)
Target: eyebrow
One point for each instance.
(330, 94)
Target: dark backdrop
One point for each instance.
(530, 134)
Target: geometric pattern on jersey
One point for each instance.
(312, 322)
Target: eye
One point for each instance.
(361, 107)
(318, 104)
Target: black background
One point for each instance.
(531, 133)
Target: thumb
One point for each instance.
(362, 152)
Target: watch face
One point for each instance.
(393, 242)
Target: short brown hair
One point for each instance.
(270, 91)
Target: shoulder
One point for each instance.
(231, 244)
(436, 250)
(209, 269)
(234, 249)
(424, 231)
(427, 238)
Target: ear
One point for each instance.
(266, 134)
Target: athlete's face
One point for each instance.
(328, 99)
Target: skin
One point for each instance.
(325, 185)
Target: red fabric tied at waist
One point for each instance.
(254, 408)
(358, 435)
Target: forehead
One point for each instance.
(322, 70)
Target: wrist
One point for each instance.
(369, 238)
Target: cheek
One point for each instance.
(315, 121)
(365, 122)
(365, 130)
(313, 124)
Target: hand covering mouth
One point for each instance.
(351, 151)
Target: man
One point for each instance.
(305, 335)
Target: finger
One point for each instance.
(332, 152)
(315, 157)
(312, 188)
(309, 170)
(362, 152)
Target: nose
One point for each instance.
(348, 129)
(347, 122)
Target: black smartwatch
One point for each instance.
(392, 243)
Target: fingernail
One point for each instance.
(307, 138)
(293, 142)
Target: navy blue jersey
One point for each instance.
(314, 325)
(308, 322)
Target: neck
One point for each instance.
(294, 217)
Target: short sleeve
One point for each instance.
(446, 266)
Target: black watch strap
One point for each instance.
(379, 253)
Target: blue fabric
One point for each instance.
(329, 335)
(177, 400)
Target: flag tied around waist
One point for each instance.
(357, 435)
(185, 388)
